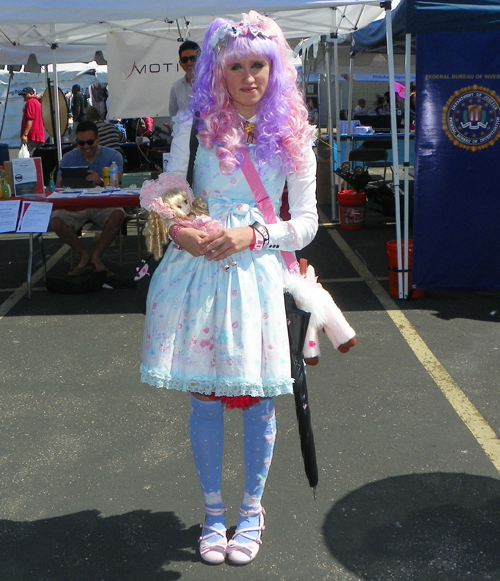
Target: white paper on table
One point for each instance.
(72, 194)
(127, 192)
(35, 217)
(9, 211)
(93, 194)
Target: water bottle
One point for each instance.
(113, 175)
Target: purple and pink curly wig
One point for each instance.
(282, 130)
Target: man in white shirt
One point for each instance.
(181, 89)
(360, 109)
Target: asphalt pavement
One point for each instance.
(97, 482)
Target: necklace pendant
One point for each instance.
(249, 128)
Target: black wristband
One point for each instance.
(262, 230)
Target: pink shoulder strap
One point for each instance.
(264, 203)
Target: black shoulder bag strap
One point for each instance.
(193, 148)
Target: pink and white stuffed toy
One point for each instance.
(310, 296)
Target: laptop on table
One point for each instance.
(74, 177)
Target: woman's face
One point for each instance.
(246, 81)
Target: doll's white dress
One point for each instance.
(208, 330)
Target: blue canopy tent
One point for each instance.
(457, 15)
(413, 16)
(373, 36)
(456, 192)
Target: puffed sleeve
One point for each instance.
(301, 229)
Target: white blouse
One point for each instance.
(291, 235)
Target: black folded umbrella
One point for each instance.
(298, 321)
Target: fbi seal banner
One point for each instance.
(471, 117)
(456, 211)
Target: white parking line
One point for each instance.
(19, 293)
(466, 410)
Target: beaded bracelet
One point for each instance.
(175, 231)
(257, 226)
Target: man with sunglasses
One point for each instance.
(181, 89)
(65, 223)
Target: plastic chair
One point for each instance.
(371, 158)
(379, 144)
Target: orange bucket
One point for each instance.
(392, 256)
(351, 209)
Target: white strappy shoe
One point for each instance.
(213, 552)
(244, 553)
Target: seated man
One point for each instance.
(360, 108)
(66, 223)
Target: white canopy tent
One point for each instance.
(73, 30)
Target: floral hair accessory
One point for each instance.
(221, 36)
(153, 190)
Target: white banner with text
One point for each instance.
(141, 71)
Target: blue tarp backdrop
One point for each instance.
(457, 173)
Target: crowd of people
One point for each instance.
(99, 141)
(382, 104)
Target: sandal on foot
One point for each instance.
(79, 270)
(244, 553)
(108, 271)
(213, 551)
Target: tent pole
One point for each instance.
(57, 128)
(406, 163)
(337, 119)
(11, 75)
(51, 102)
(330, 129)
(303, 58)
(395, 156)
(349, 104)
(48, 81)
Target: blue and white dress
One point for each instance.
(211, 331)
